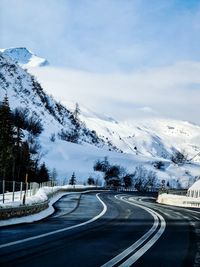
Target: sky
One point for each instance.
(126, 58)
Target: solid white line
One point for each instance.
(148, 245)
(60, 230)
(139, 242)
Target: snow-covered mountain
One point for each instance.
(25, 57)
(23, 90)
(152, 137)
(142, 142)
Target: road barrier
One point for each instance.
(180, 200)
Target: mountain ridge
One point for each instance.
(25, 91)
(24, 57)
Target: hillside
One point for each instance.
(24, 91)
(142, 142)
(153, 137)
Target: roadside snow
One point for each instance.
(179, 201)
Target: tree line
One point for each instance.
(116, 176)
(20, 151)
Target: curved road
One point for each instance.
(105, 229)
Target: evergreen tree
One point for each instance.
(76, 112)
(19, 157)
(43, 174)
(20, 122)
(72, 180)
(7, 139)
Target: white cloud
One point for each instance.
(172, 91)
(103, 36)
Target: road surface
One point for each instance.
(105, 229)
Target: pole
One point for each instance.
(21, 190)
(24, 197)
(13, 195)
(3, 185)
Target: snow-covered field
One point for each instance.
(81, 158)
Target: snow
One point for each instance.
(179, 201)
(142, 141)
(24, 57)
(195, 186)
(158, 137)
(194, 190)
(41, 196)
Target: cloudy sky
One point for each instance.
(126, 58)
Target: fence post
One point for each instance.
(13, 194)
(26, 183)
(27, 188)
(3, 189)
(21, 190)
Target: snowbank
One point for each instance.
(180, 201)
(42, 195)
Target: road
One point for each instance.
(105, 229)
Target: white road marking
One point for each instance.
(60, 230)
(140, 241)
(196, 218)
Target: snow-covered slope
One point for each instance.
(24, 57)
(24, 91)
(152, 137)
(143, 142)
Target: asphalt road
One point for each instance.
(110, 229)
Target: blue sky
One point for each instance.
(104, 35)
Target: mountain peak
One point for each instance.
(24, 57)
